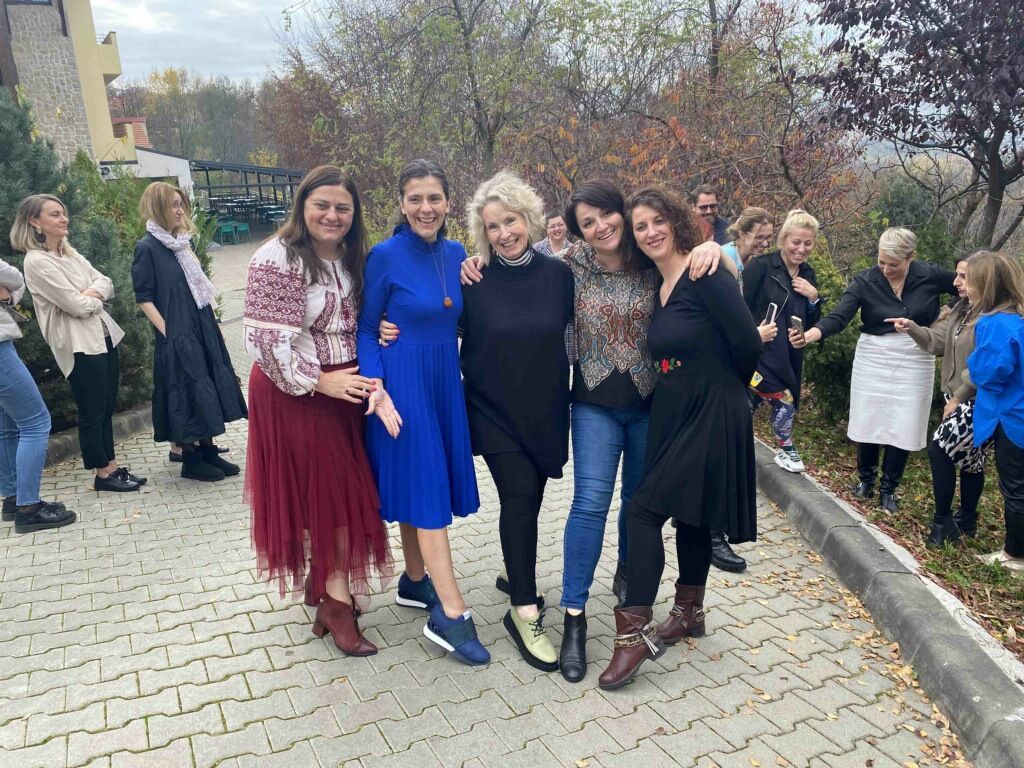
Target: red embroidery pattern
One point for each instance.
(322, 326)
(273, 296)
(264, 341)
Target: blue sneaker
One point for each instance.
(457, 636)
(416, 594)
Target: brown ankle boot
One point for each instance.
(686, 619)
(336, 617)
(636, 641)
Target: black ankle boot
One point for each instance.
(967, 523)
(944, 530)
(722, 556)
(10, 508)
(572, 659)
(211, 455)
(867, 470)
(619, 584)
(195, 468)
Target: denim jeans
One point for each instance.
(24, 428)
(600, 436)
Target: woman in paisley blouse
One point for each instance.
(613, 380)
(307, 477)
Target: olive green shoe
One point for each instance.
(533, 644)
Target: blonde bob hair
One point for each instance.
(748, 219)
(23, 238)
(513, 193)
(796, 219)
(998, 282)
(898, 243)
(156, 203)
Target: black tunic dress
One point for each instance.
(195, 390)
(514, 364)
(700, 444)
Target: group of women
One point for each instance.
(195, 390)
(633, 338)
(660, 367)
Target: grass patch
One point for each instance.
(995, 598)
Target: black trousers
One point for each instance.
(1010, 464)
(893, 463)
(94, 381)
(520, 491)
(645, 558)
(944, 485)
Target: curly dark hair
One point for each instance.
(604, 195)
(686, 232)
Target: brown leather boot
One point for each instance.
(636, 641)
(686, 619)
(336, 617)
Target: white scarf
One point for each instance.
(202, 289)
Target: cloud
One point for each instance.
(233, 38)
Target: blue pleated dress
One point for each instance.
(426, 474)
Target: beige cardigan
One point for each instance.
(69, 321)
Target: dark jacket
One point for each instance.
(766, 281)
(722, 235)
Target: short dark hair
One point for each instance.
(703, 189)
(422, 169)
(604, 195)
(686, 234)
(554, 213)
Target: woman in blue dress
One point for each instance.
(425, 475)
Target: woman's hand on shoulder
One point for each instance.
(471, 271)
(380, 404)
(706, 258)
(345, 385)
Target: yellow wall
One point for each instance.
(98, 65)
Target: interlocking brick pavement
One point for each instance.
(141, 636)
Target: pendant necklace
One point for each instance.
(440, 275)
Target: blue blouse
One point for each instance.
(997, 369)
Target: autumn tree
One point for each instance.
(942, 77)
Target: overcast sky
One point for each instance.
(236, 38)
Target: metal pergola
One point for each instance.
(270, 184)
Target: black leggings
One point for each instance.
(944, 484)
(1010, 464)
(520, 490)
(645, 558)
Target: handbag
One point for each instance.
(16, 314)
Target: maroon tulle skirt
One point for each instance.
(311, 490)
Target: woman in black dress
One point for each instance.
(195, 390)
(700, 447)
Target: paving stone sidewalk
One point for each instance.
(141, 636)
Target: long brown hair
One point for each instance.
(998, 281)
(299, 243)
(605, 196)
(686, 233)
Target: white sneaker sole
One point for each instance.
(789, 467)
(409, 603)
(436, 638)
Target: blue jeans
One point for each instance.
(599, 437)
(24, 429)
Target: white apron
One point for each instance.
(891, 392)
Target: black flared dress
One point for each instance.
(195, 390)
(700, 444)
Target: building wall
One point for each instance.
(99, 64)
(48, 74)
(156, 165)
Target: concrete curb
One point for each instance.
(985, 706)
(64, 445)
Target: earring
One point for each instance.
(39, 236)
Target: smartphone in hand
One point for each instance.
(798, 323)
(771, 314)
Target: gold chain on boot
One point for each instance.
(634, 639)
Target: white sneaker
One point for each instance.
(1015, 565)
(789, 460)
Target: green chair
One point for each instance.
(240, 227)
(225, 228)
